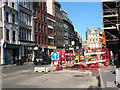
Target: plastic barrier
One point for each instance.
(92, 59)
(58, 68)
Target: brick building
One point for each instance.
(40, 26)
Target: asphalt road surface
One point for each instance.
(25, 77)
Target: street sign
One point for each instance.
(42, 48)
(55, 55)
(77, 47)
(62, 54)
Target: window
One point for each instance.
(13, 35)
(13, 5)
(38, 26)
(30, 35)
(36, 39)
(42, 28)
(57, 7)
(34, 12)
(44, 17)
(25, 34)
(45, 29)
(29, 5)
(44, 5)
(7, 17)
(41, 15)
(38, 14)
(22, 34)
(42, 39)
(13, 18)
(7, 2)
(39, 39)
(41, 4)
(7, 34)
(45, 40)
(35, 26)
(29, 20)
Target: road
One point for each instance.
(24, 77)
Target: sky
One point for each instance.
(84, 15)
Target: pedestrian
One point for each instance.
(17, 62)
(11, 61)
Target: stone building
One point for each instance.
(94, 38)
(85, 44)
(9, 32)
(40, 26)
(16, 35)
(26, 30)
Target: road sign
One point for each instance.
(62, 54)
(55, 55)
(77, 47)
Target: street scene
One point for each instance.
(53, 44)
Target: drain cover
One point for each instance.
(78, 75)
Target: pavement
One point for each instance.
(24, 77)
(107, 78)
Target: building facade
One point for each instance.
(111, 26)
(16, 31)
(25, 24)
(68, 30)
(40, 26)
(78, 40)
(9, 32)
(59, 26)
(94, 38)
(85, 44)
(51, 26)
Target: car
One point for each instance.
(42, 58)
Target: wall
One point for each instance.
(0, 14)
(1, 33)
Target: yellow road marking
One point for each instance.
(107, 70)
(3, 74)
(24, 83)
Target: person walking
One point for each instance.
(11, 61)
(17, 62)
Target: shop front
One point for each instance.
(10, 52)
